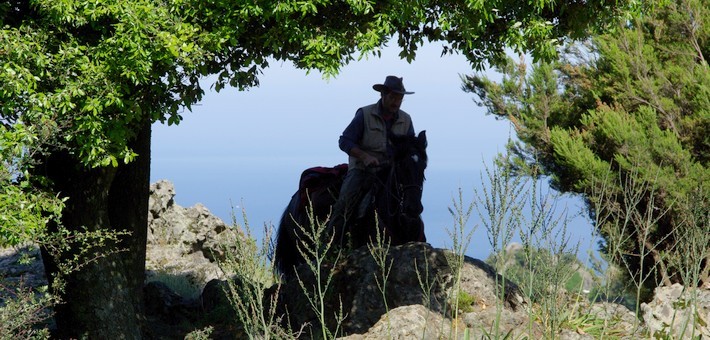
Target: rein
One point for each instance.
(398, 195)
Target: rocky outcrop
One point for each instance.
(417, 301)
(677, 312)
(22, 266)
(421, 285)
(410, 322)
(184, 241)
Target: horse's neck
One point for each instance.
(386, 179)
(386, 189)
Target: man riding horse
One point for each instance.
(367, 143)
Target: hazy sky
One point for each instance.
(249, 148)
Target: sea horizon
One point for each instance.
(262, 193)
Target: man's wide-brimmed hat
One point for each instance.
(393, 84)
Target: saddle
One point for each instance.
(321, 186)
(318, 181)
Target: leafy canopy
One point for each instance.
(83, 75)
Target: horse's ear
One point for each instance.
(422, 138)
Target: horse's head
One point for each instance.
(410, 161)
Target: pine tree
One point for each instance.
(624, 120)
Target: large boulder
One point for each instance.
(420, 279)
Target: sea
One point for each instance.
(255, 195)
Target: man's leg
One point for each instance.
(347, 202)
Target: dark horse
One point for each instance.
(392, 205)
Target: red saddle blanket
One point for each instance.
(318, 179)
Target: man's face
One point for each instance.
(392, 101)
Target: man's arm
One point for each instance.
(349, 141)
(352, 135)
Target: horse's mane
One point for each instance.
(404, 144)
(401, 143)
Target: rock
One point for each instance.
(185, 241)
(161, 300)
(183, 247)
(21, 267)
(166, 312)
(214, 295)
(420, 275)
(411, 322)
(678, 312)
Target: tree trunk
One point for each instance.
(128, 210)
(103, 300)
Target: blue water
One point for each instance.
(263, 189)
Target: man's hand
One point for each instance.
(364, 157)
(369, 160)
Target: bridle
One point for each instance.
(399, 193)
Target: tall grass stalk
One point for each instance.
(499, 206)
(316, 253)
(546, 263)
(379, 249)
(425, 282)
(460, 238)
(251, 272)
(626, 223)
(633, 224)
(550, 270)
(693, 243)
(602, 195)
(427, 285)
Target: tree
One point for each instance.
(82, 81)
(624, 120)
